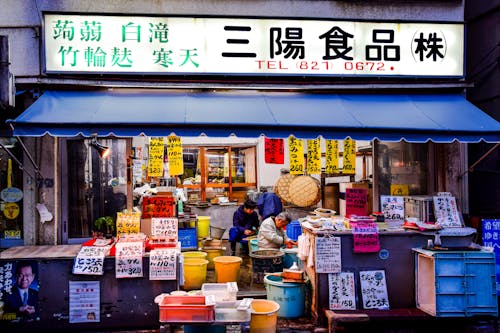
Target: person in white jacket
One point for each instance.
(271, 234)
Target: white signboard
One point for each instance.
(393, 208)
(90, 260)
(374, 290)
(446, 211)
(342, 291)
(328, 255)
(188, 45)
(128, 263)
(84, 301)
(162, 264)
(165, 227)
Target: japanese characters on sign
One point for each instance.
(128, 262)
(90, 260)
(356, 201)
(84, 301)
(166, 45)
(374, 290)
(296, 152)
(157, 206)
(342, 295)
(162, 264)
(328, 255)
(445, 210)
(274, 151)
(332, 156)
(165, 227)
(127, 223)
(365, 237)
(314, 157)
(393, 208)
(174, 152)
(349, 157)
(155, 161)
(491, 238)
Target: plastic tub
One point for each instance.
(293, 230)
(227, 268)
(213, 252)
(203, 226)
(265, 261)
(216, 232)
(195, 273)
(289, 296)
(254, 244)
(264, 317)
(194, 255)
(291, 256)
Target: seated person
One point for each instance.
(245, 223)
(271, 233)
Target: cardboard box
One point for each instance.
(331, 197)
(362, 185)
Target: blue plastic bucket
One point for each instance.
(290, 257)
(290, 296)
(293, 230)
(254, 244)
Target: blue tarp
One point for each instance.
(387, 117)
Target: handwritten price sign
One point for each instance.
(328, 255)
(90, 260)
(157, 206)
(165, 227)
(128, 261)
(342, 291)
(128, 223)
(162, 264)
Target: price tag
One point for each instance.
(313, 157)
(328, 255)
(393, 208)
(163, 264)
(446, 211)
(332, 156)
(155, 160)
(365, 237)
(374, 290)
(342, 291)
(165, 227)
(90, 260)
(157, 206)
(128, 223)
(296, 155)
(128, 261)
(174, 152)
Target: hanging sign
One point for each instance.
(313, 157)
(84, 302)
(128, 223)
(155, 157)
(365, 237)
(157, 206)
(162, 264)
(328, 255)
(400, 189)
(165, 227)
(11, 210)
(332, 156)
(174, 152)
(11, 194)
(342, 294)
(128, 262)
(274, 151)
(445, 210)
(356, 201)
(296, 152)
(349, 157)
(90, 260)
(374, 290)
(393, 208)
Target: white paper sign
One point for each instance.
(84, 301)
(165, 227)
(163, 264)
(342, 294)
(90, 260)
(128, 263)
(393, 208)
(374, 290)
(445, 211)
(328, 255)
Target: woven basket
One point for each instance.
(281, 188)
(304, 191)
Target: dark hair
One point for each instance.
(24, 263)
(250, 204)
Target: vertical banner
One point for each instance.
(84, 301)
(174, 152)
(314, 157)
(296, 149)
(155, 158)
(128, 223)
(332, 156)
(349, 157)
(274, 151)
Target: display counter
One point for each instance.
(124, 303)
(395, 257)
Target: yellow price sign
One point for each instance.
(155, 158)
(174, 151)
(349, 157)
(313, 157)
(128, 223)
(296, 152)
(332, 156)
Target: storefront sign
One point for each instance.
(162, 264)
(155, 158)
(195, 45)
(342, 294)
(11, 194)
(128, 223)
(274, 151)
(165, 227)
(12, 234)
(328, 255)
(84, 302)
(128, 263)
(313, 157)
(374, 290)
(332, 156)
(349, 157)
(296, 152)
(174, 152)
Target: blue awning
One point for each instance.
(387, 117)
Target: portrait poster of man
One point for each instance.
(19, 291)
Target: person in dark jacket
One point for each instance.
(245, 223)
(269, 204)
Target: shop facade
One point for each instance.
(399, 100)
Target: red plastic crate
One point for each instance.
(186, 313)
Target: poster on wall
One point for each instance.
(84, 301)
(328, 255)
(19, 287)
(342, 291)
(374, 290)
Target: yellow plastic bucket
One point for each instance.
(213, 252)
(227, 268)
(203, 226)
(195, 273)
(194, 255)
(264, 316)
